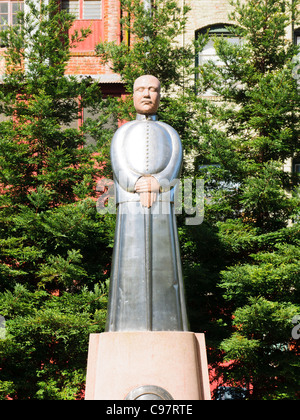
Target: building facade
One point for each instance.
(103, 17)
(213, 15)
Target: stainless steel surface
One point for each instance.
(148, 265)
(143, 147)
(146, 288)
(149, 392)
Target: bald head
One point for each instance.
(146, 94)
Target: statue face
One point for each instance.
(146, 95)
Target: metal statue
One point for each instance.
(146, 287)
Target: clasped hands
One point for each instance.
(147, 187)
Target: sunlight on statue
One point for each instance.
(146, 287)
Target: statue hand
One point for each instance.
(147, 187)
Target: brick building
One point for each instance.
(103, 17)
(212, 15)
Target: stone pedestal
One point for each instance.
(147, 365)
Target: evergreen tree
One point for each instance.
(54, 245)
(150, 43)
(254, 205)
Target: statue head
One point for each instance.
(146, 94)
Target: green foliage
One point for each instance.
(149, 44)
(51, 334)
(59, 246)
(274, 275)
(252, 201)
(261, 348)
(54, 246)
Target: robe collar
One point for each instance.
(142, 117)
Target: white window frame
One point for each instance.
(209, 52)
(297, 41)
(10, 13)
(296, 70)
(81, 9)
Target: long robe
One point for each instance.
(146, 287)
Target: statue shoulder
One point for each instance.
(121, 131)
(173, 133)
(168, 128)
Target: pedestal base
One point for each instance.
(147, 365)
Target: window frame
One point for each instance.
(214, 30)
(10, 12)
(297, 36)
(296, 70)
(80, 15)
(296, 165)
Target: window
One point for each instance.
(8, 13)
(84, 9)
(297, 37)
(296, 71)
(209, 52)
(297, 168)
(71, 6)
(88, 15)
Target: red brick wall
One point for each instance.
(83, 59)
(85, 63)
(111, 14)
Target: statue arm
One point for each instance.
(173, 169)
(126, 177)
(147, 186)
